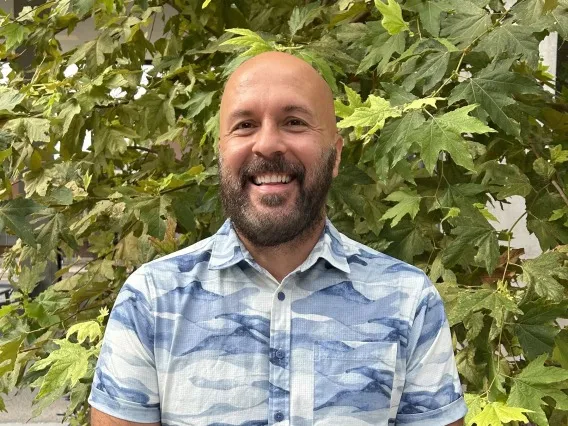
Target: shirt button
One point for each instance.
(278, 416)
(280, 354)
(281, 295)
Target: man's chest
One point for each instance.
(303, 354)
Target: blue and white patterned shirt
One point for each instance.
(205, 336)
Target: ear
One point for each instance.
(338, 148)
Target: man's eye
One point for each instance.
(295, 122)
(243, 125)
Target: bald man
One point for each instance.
(277, 319)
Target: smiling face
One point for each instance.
(279, 148)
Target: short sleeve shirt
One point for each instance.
(206, 336)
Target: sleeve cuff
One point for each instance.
(442, 416)
(124, 410)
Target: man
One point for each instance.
(278, 319)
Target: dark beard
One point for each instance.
(269, 230)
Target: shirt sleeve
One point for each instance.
(432, 394)
(125, 384)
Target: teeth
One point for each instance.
(259, 180)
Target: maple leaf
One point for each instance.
(381, 50)
(498, 413)
(14, 216)
(85, 330)
(429, 12)
(467, 23)
(395, 141)
(493, 89)
(428, 65)
(444, 133)
(67, 365)
(408, 203)
(511, 39)
(372, 116)
(535, 382)
(541, 274)
(9, 99)
(475, 300)
(302, 16)
(392, 16)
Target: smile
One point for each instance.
(271, 179)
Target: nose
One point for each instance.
(268, 142)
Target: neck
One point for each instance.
(282, 259)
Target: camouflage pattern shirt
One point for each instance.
(205, 336)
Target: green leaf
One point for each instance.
(85, 330)
(513, 40)
(81, 7)
(408, 202)
(427, 69)
(549, 234)
(533, 383)
(372, 116)
(9, 348)
(152, 212)
(443, 133)
(30, 277)
(380, 52)
(543, 168)
(302, 16)
(392, 16)
(472, 230)
(540, 275)
(205, 4)
(497, 413)
(475, 300)
(429, 11)
(247, 38)
(395, 139)
(535, 339)
(475, 404)
(507, 179)
(408, 241)
(466, 24)
(67, 365)
(14, 34)
(9, 99)
(560, 352)
(36, 129)
(493, 90)
(13, 215)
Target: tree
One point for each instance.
(445, 110)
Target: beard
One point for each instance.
(270, 229)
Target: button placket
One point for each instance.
(279, 371)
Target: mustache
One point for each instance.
(277, 165)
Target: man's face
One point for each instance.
(278, 152)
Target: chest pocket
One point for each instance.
(353, 382)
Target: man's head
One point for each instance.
(279, 148)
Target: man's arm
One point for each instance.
(98, 418)
(457, 423)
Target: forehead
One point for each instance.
(268, 87)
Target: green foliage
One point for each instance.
(444, 110)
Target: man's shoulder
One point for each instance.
(368, 264)
(183, 260)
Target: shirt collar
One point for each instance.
(228, 250)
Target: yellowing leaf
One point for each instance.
(373, 116)
(392, 16)
(497, 413)
(420, 103)
(408, 202)
(67, 365)
(205, 4)
(89, 329)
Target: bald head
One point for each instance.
(272, 72)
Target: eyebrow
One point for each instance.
(245, 113)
